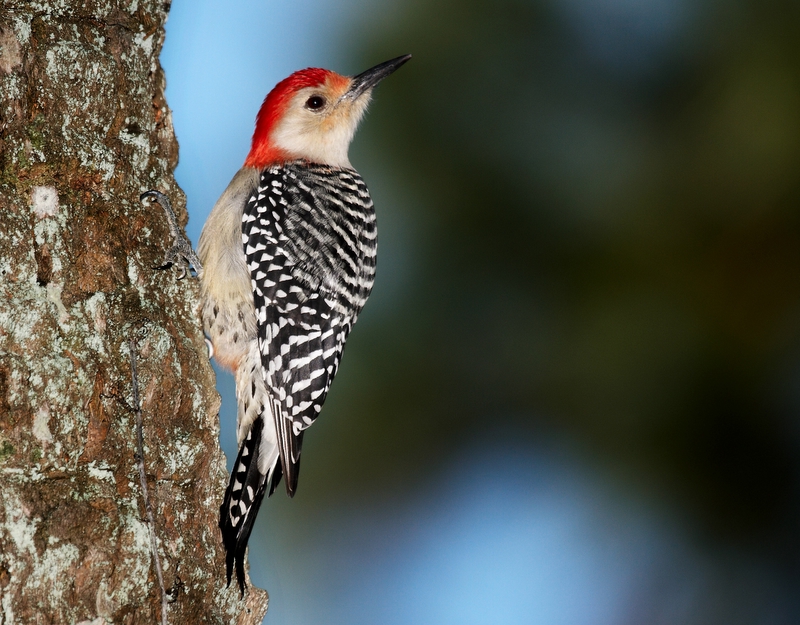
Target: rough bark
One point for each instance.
(84, 129)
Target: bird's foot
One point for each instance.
(181, 252)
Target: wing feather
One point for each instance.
(304, 252)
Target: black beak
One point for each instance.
(367, 80)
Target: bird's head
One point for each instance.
(313, 114)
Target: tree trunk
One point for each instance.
(84, 129)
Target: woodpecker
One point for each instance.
(288, 261)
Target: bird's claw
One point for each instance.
(181, 255)
(181, 252)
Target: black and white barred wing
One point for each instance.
(297, 262)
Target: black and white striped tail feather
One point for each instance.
(243, 497)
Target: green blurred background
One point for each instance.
(574, 395)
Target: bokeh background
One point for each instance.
(574, 395)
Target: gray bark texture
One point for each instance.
(84, 129)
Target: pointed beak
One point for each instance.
(367, 80)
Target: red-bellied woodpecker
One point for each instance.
(288, 260)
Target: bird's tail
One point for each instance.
(248, 484)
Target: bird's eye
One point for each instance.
(315, 102)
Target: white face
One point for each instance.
(319, 123)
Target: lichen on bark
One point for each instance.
(84, 129)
